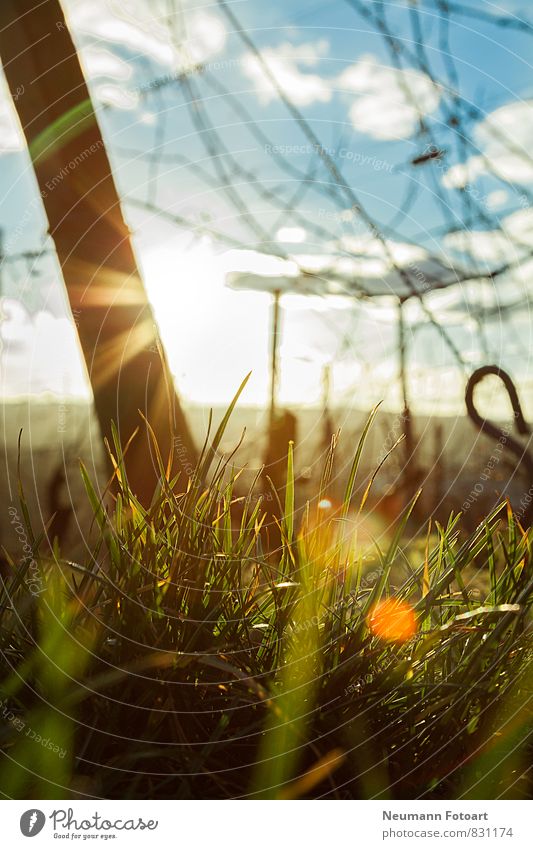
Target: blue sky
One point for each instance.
(372, 116)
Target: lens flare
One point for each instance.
(392, 619)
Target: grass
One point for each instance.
(185, 660)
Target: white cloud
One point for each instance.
(284, 63)
(389, 103)
(520, 225)
(40, 353)
(255, 262)
(205, 36)
(11, 136)
(497, 198)
(114, 95)
(373, 272)
(148, 118)
(401, 253)
(504, 138)
(143, 27)
(368, 268)
(488, 247)
(460, 175)
(491, 248)
(102, 63)
(291, 235)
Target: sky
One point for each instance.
(196, 126)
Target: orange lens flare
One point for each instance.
(392, 619)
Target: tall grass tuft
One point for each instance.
(183, 660)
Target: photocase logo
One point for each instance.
(32, 822)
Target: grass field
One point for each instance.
(185, 658)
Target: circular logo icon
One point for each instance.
(32, 822)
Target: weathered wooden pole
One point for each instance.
(274, 355)
(115, 323)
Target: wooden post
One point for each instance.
(274, 354)
(410, 470)
(115, 323)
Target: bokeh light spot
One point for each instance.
(392, 619)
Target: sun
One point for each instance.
(178, 277)
(212, 335)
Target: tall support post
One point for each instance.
(116, 327)
(406, 413)
(274, 355)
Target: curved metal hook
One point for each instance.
(516, 447)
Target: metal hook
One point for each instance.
(486, 426)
